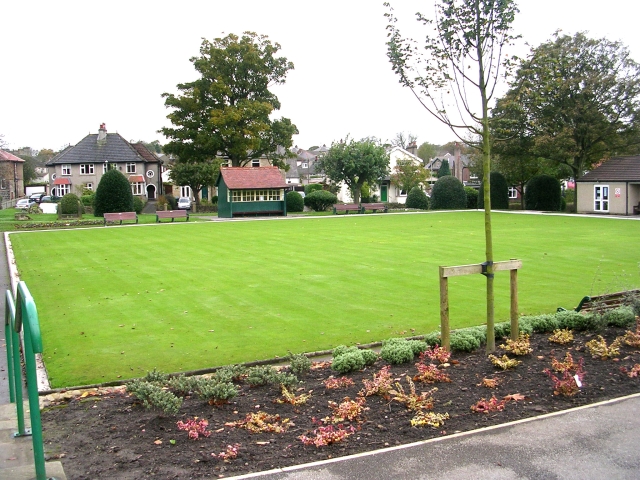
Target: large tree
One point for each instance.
(407, 174)
(403, 140)
(574, 101)
(355, 163)
(195, 174)
(427, 151)
(227, 110)
(454, 75)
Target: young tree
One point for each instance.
(407, 174)
(227, 110)
(574, 101)
(444, 169)
(196, 175)
(355, 163)
(464, 55)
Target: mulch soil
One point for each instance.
(112, 436)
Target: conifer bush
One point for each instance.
(543, 192)
(113, 194)
(295, 202)
(448, 194)
(320, 200)
(472, 197)
(498, 191)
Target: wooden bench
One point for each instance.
(346, 207)
(172, 214)
(607, 301)
(120, 216)
(374, 206)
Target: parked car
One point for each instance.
(36, 197)
(25, 203)
(184, 203)
(49, 199)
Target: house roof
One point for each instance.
(236, 178)
(62, 181)
(136, 178)
(616, 169)
(9, 157)
(114, 149)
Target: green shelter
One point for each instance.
(251, 191)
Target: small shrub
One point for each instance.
(87, 200)
(260, 375)
(430, 374)
(563, 337)
(417, 199)
(485, 406)
(369, 356)
(153, 396)
(503, 329)
(438, 354)
(620, 317)
(472, 197)
(347, 410)
(320, 200)
(327, 435)
(215, 391)
(431, 419)
(312, 187)
(195, 428)
(230, 373)
(462, 341)
(172, 202)
(156, 376)
(261, 422)
(521, 346)
(580, 321)
(381, 384)
(566, 386)
(504, 362)
(412, 400)
(568, 365)
(299, 363)
(182, 385)
(348, 362)
(598, 348)
(543, 192)
(285, 379)
(292, 398)
(397, 351)
(138, 205)
(448, 194)
(214, 200)
(432, 339)
(335, 383)
(540, 323)
(295, 202)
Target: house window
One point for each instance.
(185, 191)
(88, 186)
(601, 198)
(255, 162)
(237, 195)
(108, 166)
(131, 168)
(137, 188)
(66, 169)
(86, 169)
(513, 192)
(275, 194)
(305, 165)
(255, 195)
(62, 190)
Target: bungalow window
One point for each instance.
(131, 168)
(255, 163)
(66, 169)
(86, 169)
(513, 192)
(137, 188)
(601, 198)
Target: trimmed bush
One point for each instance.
(214, 200)
(448, 194)
(138, 205)
(171, 202)
(87, 200)
(543, 192)
(417, 199)
(69, 204)
(113, 194)
(620, 317)
(320, 200)
(153, 396)
(369, 357)
(313, 187)
(472, 197)
(433, 338)
(499, 192)
(350, 361)
(299, 363)
(463, 341)
(295, 202)
(215, 391)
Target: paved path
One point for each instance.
(590, 443)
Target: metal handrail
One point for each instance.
(22, 316)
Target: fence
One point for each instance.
(22, 316)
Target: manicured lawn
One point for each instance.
(116, 302)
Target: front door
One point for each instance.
(383, 193)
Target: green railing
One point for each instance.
(22, 315)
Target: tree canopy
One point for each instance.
(196, 175)
(355, 162)
(427, 151)
(574, 101)
(227, 110)
(407, 174)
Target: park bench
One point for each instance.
(346, 207)
(636, 209)
(120, 216)
(607, 301)
(172, 214)
(374, 206)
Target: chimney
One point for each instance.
(102, 133)
(412, 148)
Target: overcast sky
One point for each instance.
(69, 66)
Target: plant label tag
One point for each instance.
(578, 382)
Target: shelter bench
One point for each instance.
(120, 216)
(374, 206)
(172, 214)
(604, 302)
(346, 207)
(636, 209)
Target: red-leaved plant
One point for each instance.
(194, 427)
(327, 435)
